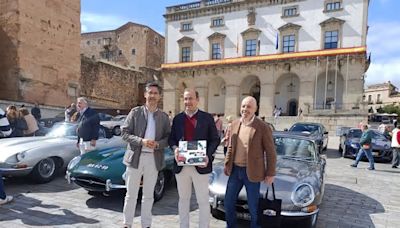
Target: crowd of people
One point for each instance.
(22, 122)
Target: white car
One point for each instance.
(43, 157)
(114, 124)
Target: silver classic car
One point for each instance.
(299, 181)
(43, 156)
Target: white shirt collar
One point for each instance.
(191, 115)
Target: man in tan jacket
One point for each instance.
(251, 143)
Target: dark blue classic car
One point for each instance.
(350, 144)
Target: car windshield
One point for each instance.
(63, 130)
(355, 133)
(304, 127)
(377, 135)
(294, 148)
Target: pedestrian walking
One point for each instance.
(88, 126)
(189, 125)
(146, 129)
(396, 147)
(251, 159)
(366, 148)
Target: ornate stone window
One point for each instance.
(217, 22)
(333, 5)
(251, 45)
(217, 45)
(290, 11)
(185, 49)
(289, 36)
(186, 26)
(331, 33)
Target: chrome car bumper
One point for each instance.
(11, 170)
(215, 204)
(108, 185)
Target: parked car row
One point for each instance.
(299, 181)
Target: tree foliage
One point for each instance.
(390, 109)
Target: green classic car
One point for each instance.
(103, 171)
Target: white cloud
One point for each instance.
(385, 48)
(91, 22)
(380, 72)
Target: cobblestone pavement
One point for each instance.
(353, 198)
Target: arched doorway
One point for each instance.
(292, 107)
(287, 91)
(216, 96)
(250, 86)
(327, 88)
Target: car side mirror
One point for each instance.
(325, 133)
(285, 129)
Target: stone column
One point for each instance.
(232, 102)
(266, 99)
(306, 96)
(203, 98)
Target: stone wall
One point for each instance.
(131, 45)
(112, 86)
(39, 57)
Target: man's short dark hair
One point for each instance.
(195, 92)
(152, 84)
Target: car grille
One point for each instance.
(91, 183)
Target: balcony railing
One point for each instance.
(198, 4)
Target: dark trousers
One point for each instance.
(236, 180)
(2, 193)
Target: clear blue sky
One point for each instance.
(383, 36)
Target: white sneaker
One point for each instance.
(6, 200)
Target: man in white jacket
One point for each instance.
(396, 147)
(5, 129)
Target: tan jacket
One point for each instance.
(261, 147)
(32, 124)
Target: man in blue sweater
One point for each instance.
(366, 148)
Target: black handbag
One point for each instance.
(269, 211)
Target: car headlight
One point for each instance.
(354, 145)
(303, 195)
(20, 156)
(74, 162)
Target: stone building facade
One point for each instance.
(290, 54)
(131, 45)
(39, 51)
(379, 95)
(112, 86)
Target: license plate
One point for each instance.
(375, 153)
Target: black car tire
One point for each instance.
(159, 189)
(45, 170)
(217, 214)
(117, 130)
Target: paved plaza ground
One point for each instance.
(353, 198)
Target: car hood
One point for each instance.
(289, 173)
(11, 146)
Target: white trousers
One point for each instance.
(184, 181)
(147, 168)
(85, 147)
